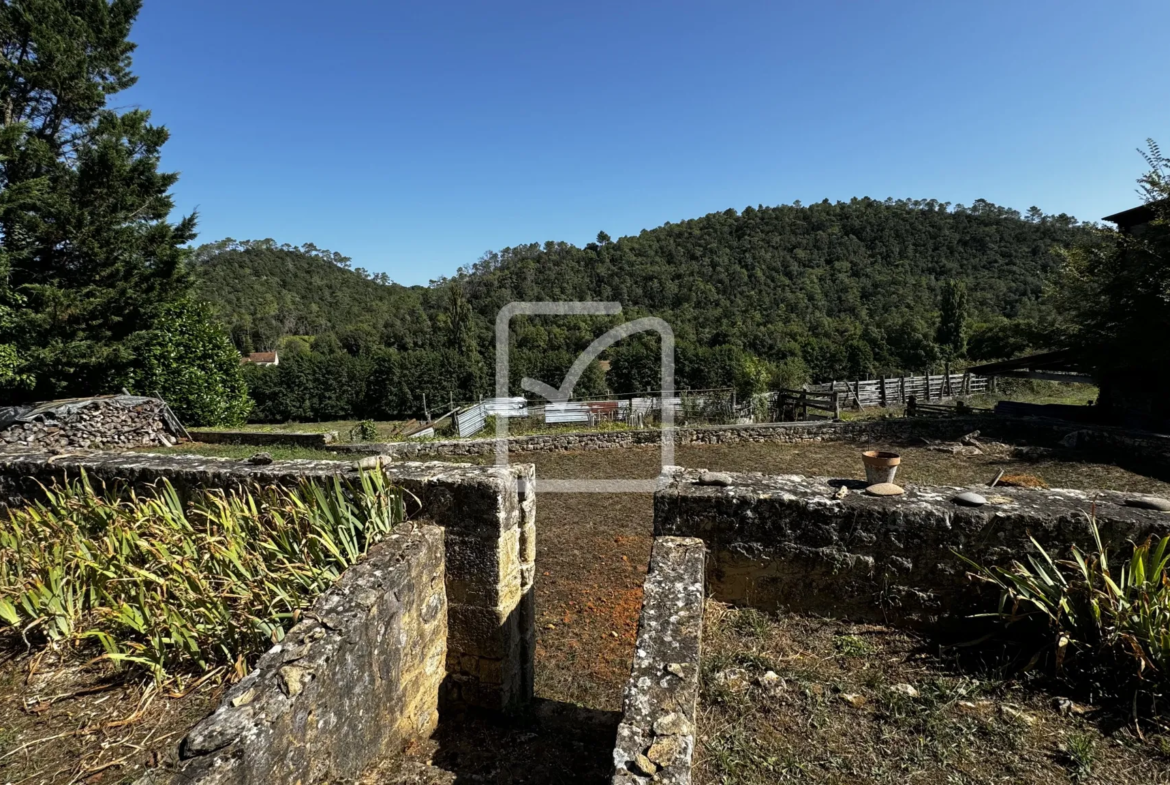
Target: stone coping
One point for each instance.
(656, 737)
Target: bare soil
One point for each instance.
(812, 700)
(65, 721)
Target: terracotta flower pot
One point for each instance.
(880, 466)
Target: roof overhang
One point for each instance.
(1058, 366)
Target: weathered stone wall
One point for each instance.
(791, 542)
(1108, 444)
(353, 683)
(312, 441)
(110, 421)
(656, 737)
(488, 514)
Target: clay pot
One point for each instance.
(880, 466)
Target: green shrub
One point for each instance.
(174, 588)
(188, 359)
(1109, 629)
(364, 431)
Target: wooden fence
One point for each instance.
(897, 390)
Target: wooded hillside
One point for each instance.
(763, 296)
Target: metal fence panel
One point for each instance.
(566, 412)
(470, 421)
(506, 407)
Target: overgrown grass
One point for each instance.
(176, 588)
(1109, 630)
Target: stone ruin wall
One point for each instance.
(352, 684)
(795, 543)
(656, 737)
(362, 678)
(1107, 444)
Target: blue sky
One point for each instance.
(415, 136)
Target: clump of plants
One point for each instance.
(364, 431)
(1105, 628)
(174, 587)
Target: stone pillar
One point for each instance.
(488, 514)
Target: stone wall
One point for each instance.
(790, 542)
(120, 421)
(488, 515)
(1106, 444)
(312, 441)
(656, 737)
(352, 684)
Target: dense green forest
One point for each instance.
(764, 297)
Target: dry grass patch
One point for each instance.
(804, 699)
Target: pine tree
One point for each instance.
(91, 258)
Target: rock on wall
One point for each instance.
(656, 737)
(352, 684)
(791, 542)
(107, 421)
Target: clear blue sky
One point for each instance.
(415, 136)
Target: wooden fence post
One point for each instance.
(882, 390)
(903, 390)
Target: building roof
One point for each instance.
(1134, 216)
(260, 358)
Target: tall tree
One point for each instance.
(84, 234)
(952, 321)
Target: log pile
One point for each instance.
(108, 422)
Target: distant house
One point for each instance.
(261, 358)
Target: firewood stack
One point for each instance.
(106, 422)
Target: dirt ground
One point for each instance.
(63, 721)
(592, 554)
(802, 699)
(593, 549)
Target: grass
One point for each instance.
(890, 711)
(178, 588)
(1081, 749)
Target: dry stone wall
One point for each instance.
(1104, 443)
(797, 543)
(354, 683)
(656, 737)
(312, 441)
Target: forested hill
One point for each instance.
(264, 292)
(768, 295)
(768, 277)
